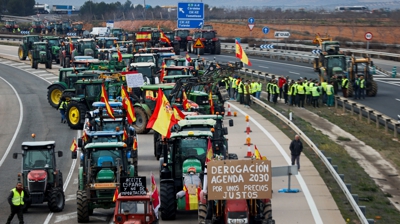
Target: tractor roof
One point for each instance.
(157, 86)
(201, 117)
(51, 37)
(143, 64)
(39, 43)
(105, 145)
(189, 123)
(38, 143)
(86, 40)
(104, 133)
(191, 134)
(103, 105)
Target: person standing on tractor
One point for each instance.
(345, 86)
(62, 106)
(330, 92)
(16, 201)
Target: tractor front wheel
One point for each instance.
(21, 53)
(217, 49)
(141, 121)
(82, 206)
(56, 200)
(202, 213)
(75, 114)
(168, 201)
(54, 95)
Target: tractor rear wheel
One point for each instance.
(202, 213)
(21, 53)
(82, 206)
(75, 113)
(217, 48)
(267, 211)
(350, 90)
(168, 201)
(141, 121)
(177, 49)
(56, 200)
(373, 88)
(54, 95)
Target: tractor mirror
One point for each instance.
(60, 153)
(225, 130)
(230, 123)
(74, 155)
(80, 142)
(15, 155)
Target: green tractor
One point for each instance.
(86, 47)
(66, 80)
(40, 55)
(102, 165)
(25, 48)
(54, 47)
(117, 32)
(87, 92)
(40, 177)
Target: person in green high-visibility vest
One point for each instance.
(361, 87)
(16, 199)
(315, 92)
(345, 86)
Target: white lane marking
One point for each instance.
(303, 185)
(68, 216)
(54, 77)
(296, 73)
(398, 99)
(21, 116)
(263, 66)
(37, 71)
(25, 66)
(47, 74)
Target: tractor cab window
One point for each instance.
(169, 62)
(109, 44)
(93, 90)
(183, 33)
(208, 35)
(111, 125)
(40, 47)
(113, 92)
(175, 72)
(79, 90)
(133, 207)
(335, 62)
(193, 148)
(144, 59)
(87, 44)
(197, 35)
(105, 138)
(146, 71)
(53, 42)
(37, 159)
(105, 157)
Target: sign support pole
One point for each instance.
(367, 44)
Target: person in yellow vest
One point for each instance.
(310, 85)
(361, 87)
(329, 93)
(62, 106)
(233, 88)
(16, 199)
(323, 87)
(241, 91)
(259, 89)
(315, 91)
(345, 86)
(275, 91)
(254, 87)
(247, 93)
(300, 94)
(269, 90)
(293, 93)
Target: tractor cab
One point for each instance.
(134, 209)
(106, 42)
(148, 70)
(178, 70)
(86, 47)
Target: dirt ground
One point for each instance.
(387, 35)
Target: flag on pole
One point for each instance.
(164, 38)
(241, 54)
(134, 144)
(257, 153)
(119, 55)
(71, 45)
(115, 194)
(104, 99)
(185, 103)
(188, 59)
(210, 100)
(178, 113)
(127, 105)
(163, 117)
(84, 136)
(162, 74)
(74, 146)
(154, 195)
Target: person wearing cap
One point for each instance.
(190, 179)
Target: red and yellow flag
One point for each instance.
(119, 55)
(210, 153)
(125, 136)
(163, 117)
(188, 57)
(84, 136)
(104, 99)
(143, 36)
(74, 146)
(162, 74)
(192, 200)
(241, 54)
(154, 195)
(257, 153)
(178, 113)
(134, 144)
(127, 105)
(210, 100)
(164, 38)
(115, 194)
(185, 103)
(71, 45)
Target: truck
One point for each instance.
(41, 8)
(59, 9)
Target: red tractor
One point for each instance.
(134, 209)
(184, 39)
(37, 26)
(210, 42)
(11, 25)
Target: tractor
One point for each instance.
(54, 47)
(102, 165)
(25, 48)
(134, 209)
(40, 177)
(11, 25)
(37, 26)
(50, 26)
(173, 42)
(78, 28)
(66, 27)
(184, 39)
(361, 67)
(58, 27)
(210, 41)
(117, 32)
(40, 54)
(66, 80)
(65, 53)
(85, 93)
(86, 47)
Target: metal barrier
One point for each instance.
(318, 152)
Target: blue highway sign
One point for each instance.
(190, 10)
(190, 24)
(265, 30)
(251, 20)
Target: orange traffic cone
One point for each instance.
(248, 130)
(229, 111)
(249, 154)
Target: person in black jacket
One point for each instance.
(16, 199)
(296, 147)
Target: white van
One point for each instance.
(100, 31)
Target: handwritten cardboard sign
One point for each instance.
(131, 186)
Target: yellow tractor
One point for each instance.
(361, 67)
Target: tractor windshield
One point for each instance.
(109, 44)
(41, 47)
(111, 125)
(144, 59)
(337, 62)
(176, 72)
(133, 207)
(53, 42)
(37, 159)
(193, 147)
(87, 45)
(99, 156)
(146, 71)
(208, 35)
(183, 33)
(93, 90)
(113, 138)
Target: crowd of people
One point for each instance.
(294, 93)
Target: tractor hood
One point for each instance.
(37, 175)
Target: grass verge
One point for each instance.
(376, 202)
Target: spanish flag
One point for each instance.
(192, 200)
(115, 194)
(185, 103)
(210, 99)
(134, 144)
(188, 58)
(71, 45)
(163, 117)
(162, 74)
(154, 195)
(104, 99)
(210, 153)
(84, 136)
(74, 146)
(164, 38)
(125, 136)
(143, 36)
(127, 105)
(178, 113)
(119, 54)
(257, 153)
(241, 54)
